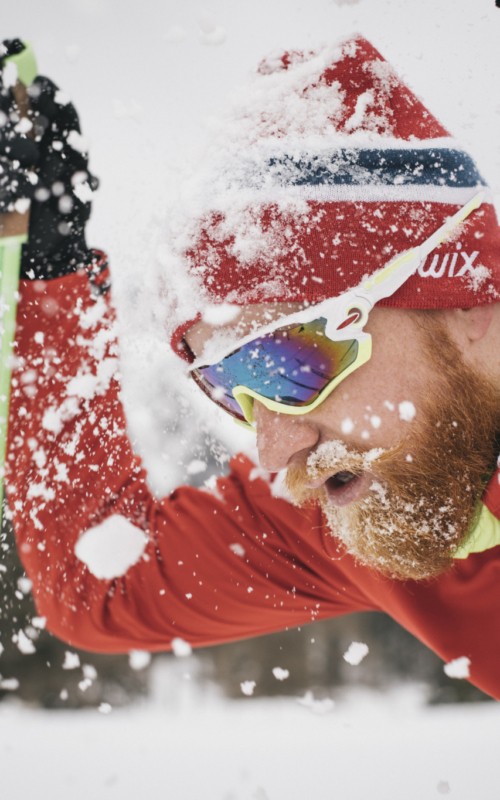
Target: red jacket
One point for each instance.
(71, 465)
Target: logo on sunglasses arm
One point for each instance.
(436, 266)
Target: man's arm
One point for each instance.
(216, 566)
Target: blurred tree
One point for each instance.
(313, 655)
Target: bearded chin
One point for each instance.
(425, 494)
(400, 533)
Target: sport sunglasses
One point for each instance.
(293, 364)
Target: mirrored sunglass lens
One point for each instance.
(291, 366)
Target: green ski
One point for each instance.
(10, 262)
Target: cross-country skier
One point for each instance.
(329, 180)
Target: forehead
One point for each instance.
(248, 318)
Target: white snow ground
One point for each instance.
(187, 743)
(147, 77)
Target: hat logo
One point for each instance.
(437, 270)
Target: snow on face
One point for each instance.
(406, 411)
(334, 455)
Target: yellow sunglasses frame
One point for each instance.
(245, 396)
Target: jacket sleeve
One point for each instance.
(216, 566)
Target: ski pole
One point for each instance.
(13, 234)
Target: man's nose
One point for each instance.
(282, 438)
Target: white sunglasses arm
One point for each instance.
(384, 283)
(390, 278)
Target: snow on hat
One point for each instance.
(325, 168)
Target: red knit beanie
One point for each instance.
(330, 166)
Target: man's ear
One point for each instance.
(473, 323)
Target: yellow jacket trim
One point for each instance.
(484, 535)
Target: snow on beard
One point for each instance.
(417, 511)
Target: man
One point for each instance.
(385, 419)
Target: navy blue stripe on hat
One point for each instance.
(436, 166)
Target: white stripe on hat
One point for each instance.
(370, 193)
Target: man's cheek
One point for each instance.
(376, 425)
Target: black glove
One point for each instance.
(60, 192)
(18, 152)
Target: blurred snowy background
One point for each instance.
(147, 78)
